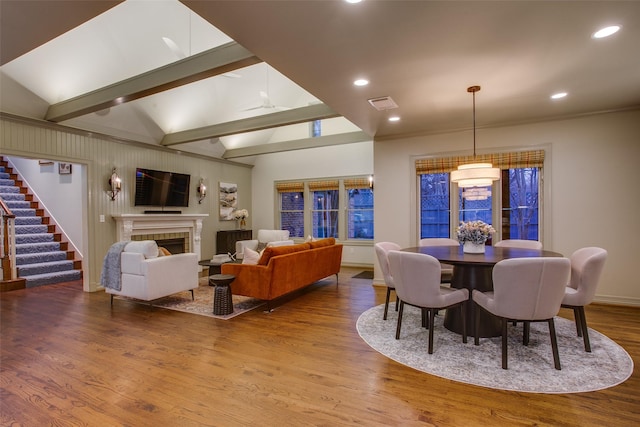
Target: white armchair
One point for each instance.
(265, 238)
(147, 276)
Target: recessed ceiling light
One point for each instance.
(394, 119)
(559, 95)
(353, 1)
(605, 32)
(361, 82)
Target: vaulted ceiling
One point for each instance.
(234, 79)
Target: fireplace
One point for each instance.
(162, 227)
(175, 246)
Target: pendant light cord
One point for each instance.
(473, 90)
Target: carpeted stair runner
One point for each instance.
(39, 258)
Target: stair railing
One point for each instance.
(8, 242)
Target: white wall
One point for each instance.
(60, 195)
(592, 195)
(343, 160)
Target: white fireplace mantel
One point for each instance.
(128, 225)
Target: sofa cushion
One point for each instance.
(322, 242)
(272, 251)
(148, 248)
(250, 256)
(280, 243)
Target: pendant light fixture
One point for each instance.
(475, 174)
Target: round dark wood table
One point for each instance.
(474, 271)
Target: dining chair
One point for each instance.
(417, 280)
(382, 249)
(447, 269)
(586, 267)
(527, 290)
(519, 243)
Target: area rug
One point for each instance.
(367, 274)
(530, 367)
(203, 303)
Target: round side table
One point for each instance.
(222, 297)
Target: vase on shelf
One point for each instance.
(243, 224)
(473, 248)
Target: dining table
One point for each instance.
(474, 271)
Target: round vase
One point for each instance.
(473, 248)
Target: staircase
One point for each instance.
(42, 258)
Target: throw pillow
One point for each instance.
(163, 251)
(261, 246)
(250, 256)
(310, 238)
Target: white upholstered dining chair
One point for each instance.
(519, 243)
(417, 280)
(586, 268)
(446, 269)
(528, 290)
(382, 249)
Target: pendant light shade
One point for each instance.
(475, 174)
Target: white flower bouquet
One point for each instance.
(475, 232)
(240, 214)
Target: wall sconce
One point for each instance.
(115, 183)
(202, 191)
(371, 182)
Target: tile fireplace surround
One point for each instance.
(128, 225)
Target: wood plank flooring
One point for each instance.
(70, 359)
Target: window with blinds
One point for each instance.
(518, 213)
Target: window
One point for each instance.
(292, 208)
(520, 203)
(324, 211)
(434, 205)
(339, 207)
(359, 197)
(517, 201)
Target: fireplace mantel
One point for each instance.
(128, 225)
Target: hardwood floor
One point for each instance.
(70, 359)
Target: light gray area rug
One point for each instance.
(530, 368)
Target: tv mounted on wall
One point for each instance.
(161, 188)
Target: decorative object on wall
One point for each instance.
(64, 168)
(475, 174)
(228, 197)
(371, 182)
(45, 162)
(241, 216)
(202, 191)
(115, 183)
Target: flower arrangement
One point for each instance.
(240, 214)
(475, 232)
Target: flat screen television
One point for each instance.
(161, 188)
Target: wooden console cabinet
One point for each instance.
(226, 240)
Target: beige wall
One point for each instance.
(100, 155)
(591, 187)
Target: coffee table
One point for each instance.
(214, 266)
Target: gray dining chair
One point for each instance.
(382, 249)
(527, 290)
(417, 280)
(519, 243)
(447, 269)
(586, 268)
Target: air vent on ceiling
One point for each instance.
(383, 103)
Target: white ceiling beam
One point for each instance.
(299, 144)
(219, 60)
(266, 121)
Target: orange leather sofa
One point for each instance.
(284, 269)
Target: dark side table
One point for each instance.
(222, 296)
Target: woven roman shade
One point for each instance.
(290, 187)
(518, 159)
(353, 183)
(324, 185)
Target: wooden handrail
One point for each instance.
(8, 249)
